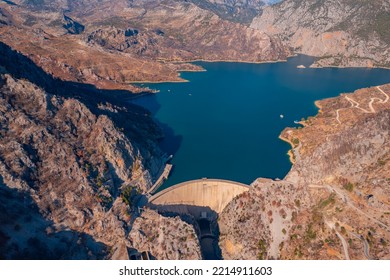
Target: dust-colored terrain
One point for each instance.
(75, 160)
(334, 203)
(341, 33)
(73, 166)
(111, 45)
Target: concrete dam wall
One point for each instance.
(211, 193)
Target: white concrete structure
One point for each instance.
(212, 193)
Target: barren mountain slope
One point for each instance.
(71, 173)
(334, 203)
(113, 43)
(242, 11)
(339, 32)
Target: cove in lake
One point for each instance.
(225, 122)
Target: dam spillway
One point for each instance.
(212, 193)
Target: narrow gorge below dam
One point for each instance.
(226, 121)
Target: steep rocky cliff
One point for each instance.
(111, 44)
(74, 161)
(166, 238)
(334, 203)
(71, 173)
(339, 32)
(242, 11)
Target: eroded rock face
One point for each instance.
(72, 26)
(332, 203)
(26, 234)
(166, 238)
(75, 170)
(242, 11)
(64, 127)
(111, 44)
(341, 33)
(252, 225)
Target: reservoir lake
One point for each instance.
(225, 122)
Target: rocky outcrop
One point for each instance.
(111, 44)
(338, 144)
(200, 34)
(340, 33)
(333, 202)
(26, 234)
(255, 223)
(70, 177)
(242, 11)
(72, 26)
(166, 238)
(46, 139)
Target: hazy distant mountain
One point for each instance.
(242, 11)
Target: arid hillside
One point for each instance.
(342, 33)
(334, 203)
(74, 162)
(113, 43)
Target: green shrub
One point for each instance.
(128, 193)
(348, 186)
(295, 141)
(262, 246)
(310, 233)
(328, 201)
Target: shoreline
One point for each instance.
(348, 67)
(235, 61)
(290, 152)
(230, 60)
(160, 82)
(340, 67)
(203, 69)
(247, 62)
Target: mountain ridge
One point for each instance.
(339, 33)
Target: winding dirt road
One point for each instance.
(355, 104)
(366, 246)
(347, 200)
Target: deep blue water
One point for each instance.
(225, 122)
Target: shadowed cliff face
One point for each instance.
(79, 157)
(25, 234)
(73, 163)
(124, 115)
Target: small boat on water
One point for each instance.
(296, 122)
(281, 116)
